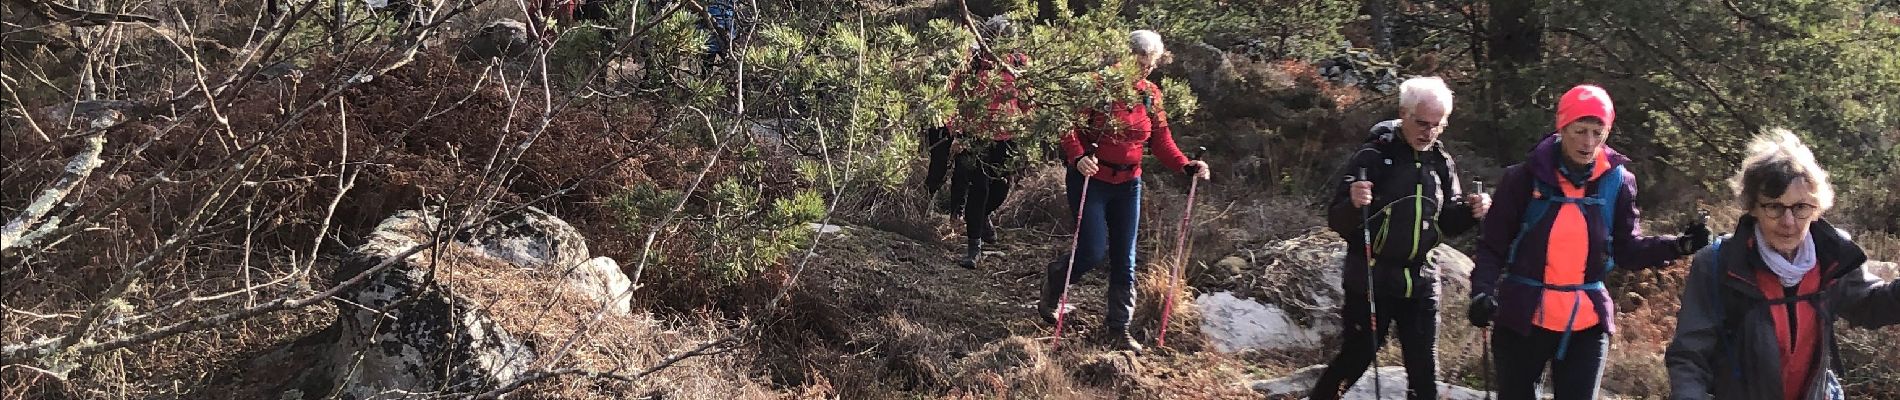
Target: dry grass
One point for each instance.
(543, 307)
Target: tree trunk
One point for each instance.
(1381, 13)
(1516, 43)
(336, 25)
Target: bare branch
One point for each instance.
(78, 169)
(6, 83)
(76, 17)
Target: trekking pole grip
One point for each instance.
(1196, 156)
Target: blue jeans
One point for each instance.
(1107, 235)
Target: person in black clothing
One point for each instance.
(945, 163)
(1412, 187)
(991, 98)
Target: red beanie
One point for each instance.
(1585, 101)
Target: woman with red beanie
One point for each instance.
(1560, 221)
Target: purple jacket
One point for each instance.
(1518, 302)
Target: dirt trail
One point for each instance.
(898, 318)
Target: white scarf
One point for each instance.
(1790, 271)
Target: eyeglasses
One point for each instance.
(1776, 210)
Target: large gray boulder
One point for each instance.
(530, 238)
(503, 38)
(1287, 294)
(429, 323)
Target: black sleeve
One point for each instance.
(1341, 216)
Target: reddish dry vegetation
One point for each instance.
(879, 314)
(423, 134)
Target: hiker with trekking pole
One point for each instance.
(1399, 194)
(1563, 219)
(1758, 308)
(1104, 190)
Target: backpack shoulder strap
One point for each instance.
(1539, 204)
(1725, 336)
(1609, 188)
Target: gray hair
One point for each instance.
(998, 25)
(1146, 42)
(1775, 160)
(1416, 91)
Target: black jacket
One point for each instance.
(1416, 200)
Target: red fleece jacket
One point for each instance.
(1120, 132)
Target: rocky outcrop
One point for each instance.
(428, 324)
(1286, 294)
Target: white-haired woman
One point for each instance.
(1757, 318)
(1410, 191)
(1118, 132)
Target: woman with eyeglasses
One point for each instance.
(1757, 318)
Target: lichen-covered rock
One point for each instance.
(431, 323)
(530, 238)
(504, 38)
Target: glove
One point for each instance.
(1693, 239)
(1483, 308)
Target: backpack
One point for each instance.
(1546, 196)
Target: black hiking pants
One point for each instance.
(986, 175)
(943, 165)
(1417, 322)
(1521, 360)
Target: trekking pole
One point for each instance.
(1180, 252)
(1062, 303)
(1490, 370)
(1365, 229)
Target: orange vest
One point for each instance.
(1564, 257)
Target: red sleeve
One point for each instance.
(1072, 141)
(1161, 139)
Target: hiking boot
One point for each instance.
(971, 254)
(1046, 306)
(1119, 339)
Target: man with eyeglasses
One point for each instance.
(1401, 191)
(1566, 217)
